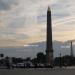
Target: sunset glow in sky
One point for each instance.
(24, 21)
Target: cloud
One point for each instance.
(6, 4)
(25, 20)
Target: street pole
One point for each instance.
(60, 61)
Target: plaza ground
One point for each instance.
(40, 71)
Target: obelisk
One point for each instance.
(49, 46)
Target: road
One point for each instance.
(56, 71)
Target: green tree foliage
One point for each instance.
(41, 58)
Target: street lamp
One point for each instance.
(60, 61)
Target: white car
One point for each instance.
(20, 65)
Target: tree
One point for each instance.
(28, 59)
(41, 57)
(1, 55)
(34, 61)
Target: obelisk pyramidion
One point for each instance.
(49, 46)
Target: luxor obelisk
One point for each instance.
(49, 46)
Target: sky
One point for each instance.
(24, 21)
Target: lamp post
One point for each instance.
(60, 61)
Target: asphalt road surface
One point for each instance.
(56, 71)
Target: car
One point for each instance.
(20, 65)
(48, 66)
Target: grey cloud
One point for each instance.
(59, 10)
(41, 18)
(22, 36)
(7, 33)
(17, 23)
(55, 15)
(56, 6)
(60, 15)
(6, 4)
(27, 14)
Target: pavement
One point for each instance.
(39, 71)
